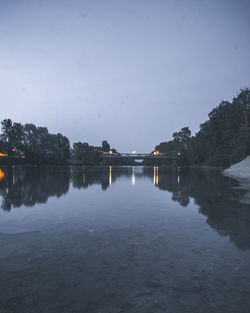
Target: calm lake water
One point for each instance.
(122, 239)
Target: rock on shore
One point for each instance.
(239, 170)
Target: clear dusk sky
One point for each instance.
(128, 71)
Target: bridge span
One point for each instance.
(138, 156)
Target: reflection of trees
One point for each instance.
(30, 185)
(168, 179)
(82, 177)
(85, 176)
(217, 196)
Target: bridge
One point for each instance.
(156, 155)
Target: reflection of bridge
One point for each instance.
(139, 156)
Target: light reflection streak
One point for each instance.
(133, 176)
(156, 175)
(1, 174)
(13, 175)
(110, 175)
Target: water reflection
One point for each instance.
(1, 174)
(218, 198)
(216, 195)
(110, 175)
(28, 186)
(156, 175)
(133, 176)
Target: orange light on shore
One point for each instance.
(1, 174)
(3, 154)
(156, 152)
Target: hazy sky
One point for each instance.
(129, 71)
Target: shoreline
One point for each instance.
(244, 183)
(241, 172)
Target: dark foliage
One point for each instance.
(221, 141)
(32, 143)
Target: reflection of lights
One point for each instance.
(1, 174)
(156, 175)
(178, 179)
(83, 179)
(110, 175)
(156, 152)
(133, 176)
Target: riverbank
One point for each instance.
(241, 172)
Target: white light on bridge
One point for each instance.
(134, 152)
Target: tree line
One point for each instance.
(36, 144)
(224, 139)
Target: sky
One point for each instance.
(128, 71)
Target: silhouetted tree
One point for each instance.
(183, 135)
(36, 142)
(222, 140)
(12, 135)
(105, 146)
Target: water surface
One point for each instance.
(122, 239)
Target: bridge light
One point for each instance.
(110, 152)
(156, 152)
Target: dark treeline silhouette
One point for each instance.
(21, 144)
(90, 155)
(31, 143)
(218, 197)
(221, 141)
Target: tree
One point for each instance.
(78, 150)
(243, 101)
(105, 146)
(6, 133)
(30, 138)
(64, 146)
(12, 135)
(183, 135)
(17, 136)
(222, 140)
